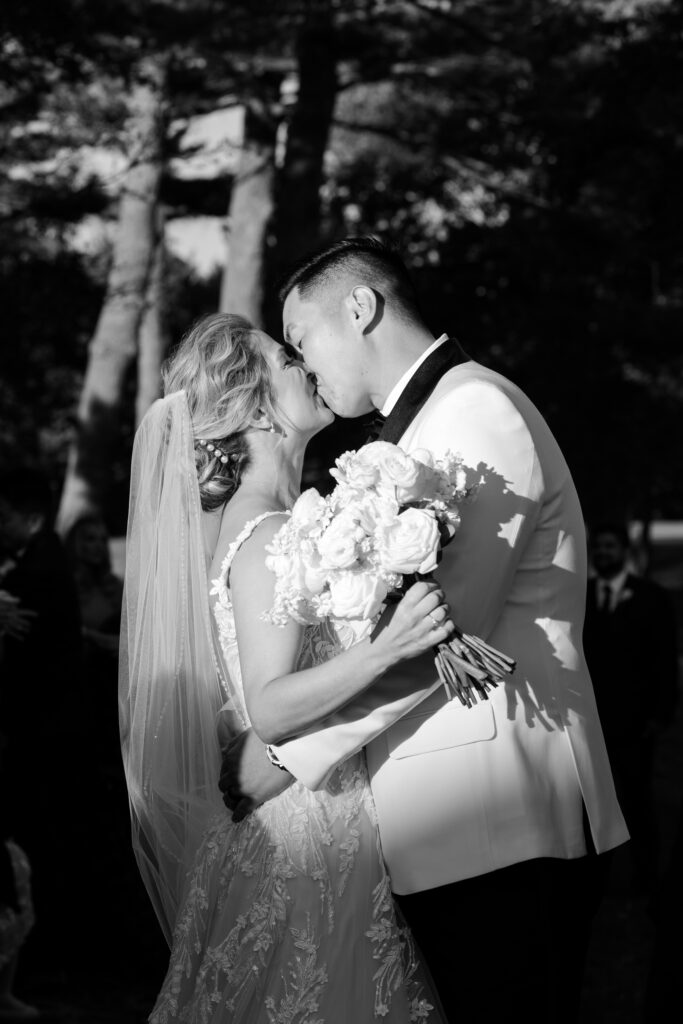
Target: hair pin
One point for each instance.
(216, 450)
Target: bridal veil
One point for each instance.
(172, 682)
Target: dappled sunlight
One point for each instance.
(559, 636)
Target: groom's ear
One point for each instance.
(362, 304)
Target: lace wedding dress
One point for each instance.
(288, 916)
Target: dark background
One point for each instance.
(526, 158)
(524, 155)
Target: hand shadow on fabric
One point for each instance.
(546, 702)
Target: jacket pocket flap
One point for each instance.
(453, 725)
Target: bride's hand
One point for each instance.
(418, 622)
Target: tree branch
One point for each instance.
(403, 138)
(481, 173)
(436, 11)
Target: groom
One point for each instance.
(491, 818)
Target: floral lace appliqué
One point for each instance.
(287, 916)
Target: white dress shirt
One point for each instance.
(616, 584)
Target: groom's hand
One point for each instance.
(247, 777)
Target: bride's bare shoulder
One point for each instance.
(239, 515)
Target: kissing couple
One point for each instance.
(395, 855)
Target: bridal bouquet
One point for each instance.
(342, 556)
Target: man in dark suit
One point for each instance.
(40, 697)
(630, 646)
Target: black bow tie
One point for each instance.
(419, 388)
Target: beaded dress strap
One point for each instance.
(239, 540)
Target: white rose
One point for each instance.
(355, 470)
(424, 456)
(430, 473)
(405, 476)
(338, 545)
(375, 509)
(289, 568)
(350, 632)
(297, 572)
(411, 543)
(342, 496)
(308, 509)
(312, 575)
(315, 575)
(356, 595)
(361, 472)
(315, 579)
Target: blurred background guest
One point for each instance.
(14, 620)
(16, 913)
(631, 648)
(100, 592)
(99, 589)
(16, 921)
(40, 701)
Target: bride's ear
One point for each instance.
(262, 421)
(363, 306)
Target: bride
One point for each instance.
(285, 917)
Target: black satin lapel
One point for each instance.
(419, 388)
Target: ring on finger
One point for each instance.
(435, 621)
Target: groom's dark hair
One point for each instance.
(375, 263)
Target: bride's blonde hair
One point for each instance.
(227, 381)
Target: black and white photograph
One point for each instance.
(341, 511)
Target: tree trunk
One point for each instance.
(153, 334)
(251, 209)
(114, 343)
(300, 179)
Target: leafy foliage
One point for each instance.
(524, 155)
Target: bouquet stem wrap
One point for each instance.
(468, 667)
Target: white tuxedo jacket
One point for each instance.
(460, 791)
